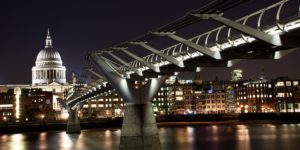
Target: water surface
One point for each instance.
(214, 137)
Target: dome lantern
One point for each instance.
(48, 40)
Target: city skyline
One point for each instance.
(79, 27)
(210, 74)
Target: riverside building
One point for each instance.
(287, 97)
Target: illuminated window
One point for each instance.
(179, 98)
(288, 83)
(295, 83)
(281, 83)
(280, 95)
(179, 93)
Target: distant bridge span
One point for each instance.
(224, 46)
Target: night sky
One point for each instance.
(79, 26)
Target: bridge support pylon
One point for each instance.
(73, 125)
(139, 129)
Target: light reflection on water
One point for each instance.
(239, 137)
(243, 139)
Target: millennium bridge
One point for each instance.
(269, 33)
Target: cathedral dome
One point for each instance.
(48, 56)
(48, 65)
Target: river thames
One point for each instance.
(211, 137)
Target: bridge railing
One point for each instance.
(212, 40)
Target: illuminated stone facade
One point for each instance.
(48, 66)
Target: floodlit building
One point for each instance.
(48, 74)
(48, 66)
(231, 97)
(160, 103)
(108, 104)
(255, 97)
(180, 97)
(26, 105)
(236, 74)
(287, 97)
(211, 103)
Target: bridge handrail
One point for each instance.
(177, 50)
(218, 46)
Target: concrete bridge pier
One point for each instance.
(139, 129)
(73, 125)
